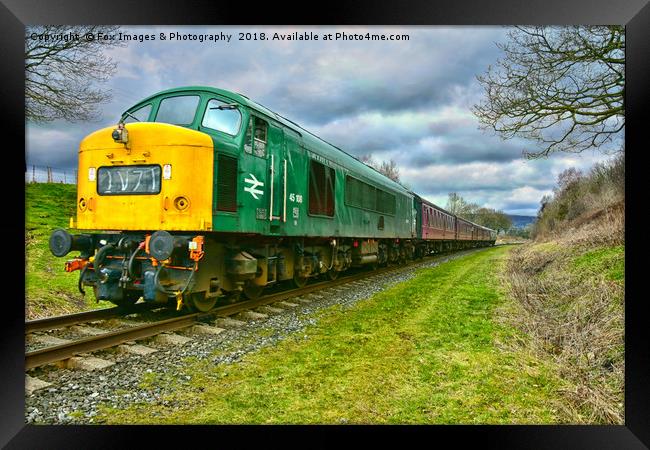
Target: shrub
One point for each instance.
(577, 196)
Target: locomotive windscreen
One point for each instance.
(128, 180)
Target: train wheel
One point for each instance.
(300, 281)
(199, 302)
(252, 291)
(333, 274)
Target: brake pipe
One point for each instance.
(81, 278)
(129, 267)
(156, 281)
(99, 256)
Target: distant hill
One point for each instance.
(521, 221)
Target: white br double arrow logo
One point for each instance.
(254, 183)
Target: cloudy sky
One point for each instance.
(406, 100)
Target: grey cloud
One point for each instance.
(403, 100)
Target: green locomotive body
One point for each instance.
(280, 204)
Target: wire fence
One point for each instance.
(46, 174)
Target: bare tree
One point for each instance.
(63, 65)
(562, 87)
(388, 168)
(455, 203)
(459, 206)
(492, 218)
(368, 160)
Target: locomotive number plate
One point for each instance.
(128, 180)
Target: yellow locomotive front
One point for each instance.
(146, 188)
(154, 176)
(137, 183)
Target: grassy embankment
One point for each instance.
(569, 288)
(430, 350)
(48, 289)
(569, 298)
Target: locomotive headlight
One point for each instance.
(120, 134)
(92, 172)
(167, 172)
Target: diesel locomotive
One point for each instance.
(202, 194)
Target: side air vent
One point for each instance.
(226, 183)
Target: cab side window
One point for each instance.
(259, 137)
(256, 137)
(139, 115)
(221, 117)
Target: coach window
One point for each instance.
(178, 110)
(139, 115)
(222, 117)
(321, 189)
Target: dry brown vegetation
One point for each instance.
(579, 199)
(569, 292)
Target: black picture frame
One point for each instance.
(16, 14)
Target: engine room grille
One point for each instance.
(226, 183)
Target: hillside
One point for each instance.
(569, 289)
(521, 221)
(48, 289)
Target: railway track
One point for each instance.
(52, 323)
(64, 351)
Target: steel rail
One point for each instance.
(50, 323)
(64, 351)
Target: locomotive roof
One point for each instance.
(313, 142)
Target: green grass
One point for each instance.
(49, 290)
(429, 350)
(569, 300)
(609, 261)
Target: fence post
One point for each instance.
(65, 181)
(75, 176)
(33, 173)
(49, 175)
